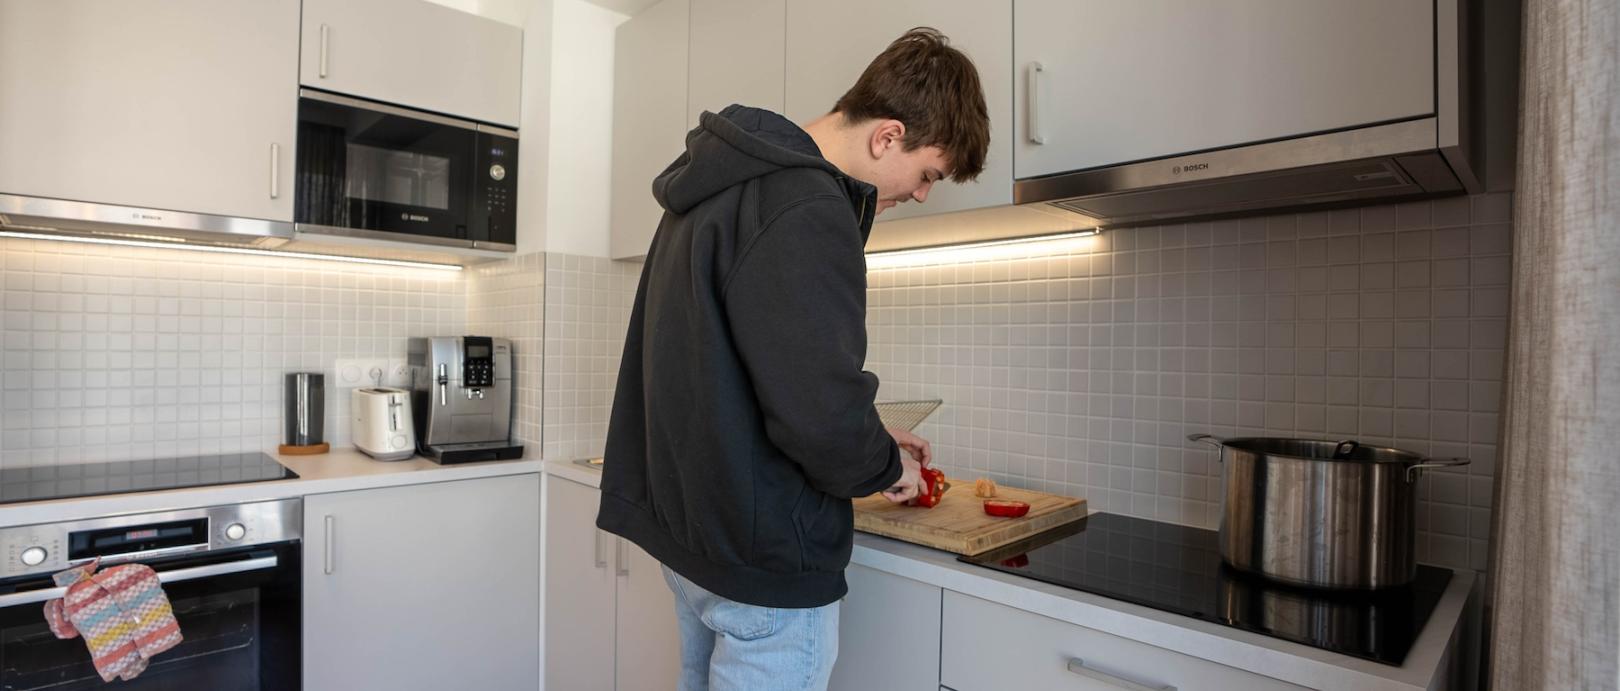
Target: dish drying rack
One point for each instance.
(906, 415)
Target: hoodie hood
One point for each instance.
(740, 144)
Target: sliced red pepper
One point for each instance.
(934, 486)
(1005, 509)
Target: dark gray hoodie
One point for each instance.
(743, 423)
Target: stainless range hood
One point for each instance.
(62, 219)
(110, 221)
(1403, 159)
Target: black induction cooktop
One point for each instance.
(1179, 569)
(90, 479)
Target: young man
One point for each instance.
(743, 423)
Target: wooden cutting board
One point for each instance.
(959, 523)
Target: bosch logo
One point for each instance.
(414, 217)
(1190, 167)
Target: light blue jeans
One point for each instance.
(730, 646)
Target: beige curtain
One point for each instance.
(1556, 569)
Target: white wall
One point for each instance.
(534, 155)
(578, 201)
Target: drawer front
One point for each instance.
(990, 647)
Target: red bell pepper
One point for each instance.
(1005, 509)
(934, 486)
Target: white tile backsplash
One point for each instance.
(506, 299)
(1082, 374)
(115, 353)
(588, 303)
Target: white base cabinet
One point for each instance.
(990, 647)
(425, 587)
(888, 633)
(610, 618)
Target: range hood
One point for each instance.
(164, 228)
(1403, 159)
(110, 221)
(1374, 152)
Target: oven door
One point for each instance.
(372, 170)
(239, 613)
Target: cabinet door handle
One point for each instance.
(275, 170)
(324, 31)
(1078, 666)
(331, 544)
(1032, 110)
(601, 551)
(622, 555)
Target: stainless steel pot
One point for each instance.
(1320, 513)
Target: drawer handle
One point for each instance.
(1078, 666)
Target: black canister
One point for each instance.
(305, 399)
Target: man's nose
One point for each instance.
(921, 195)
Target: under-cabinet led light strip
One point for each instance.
(1017, 248)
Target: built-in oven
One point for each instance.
(232, 576)
(373, 170)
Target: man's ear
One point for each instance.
(888, 135)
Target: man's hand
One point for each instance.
(918, 454)
(912, 444)
(910, 484)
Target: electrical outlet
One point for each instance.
(359, 372)
(399, 374)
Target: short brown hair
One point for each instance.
(934, 89)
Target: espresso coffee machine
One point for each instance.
(461, 398)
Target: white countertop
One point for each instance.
(1298, 664)
(339, 470)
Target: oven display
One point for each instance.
(144, 538)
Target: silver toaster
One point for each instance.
(461, 398)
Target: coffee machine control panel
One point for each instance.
(477, 361)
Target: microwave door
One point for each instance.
(380, 170)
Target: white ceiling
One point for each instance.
(626, 7)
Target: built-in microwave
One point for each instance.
(374, 170)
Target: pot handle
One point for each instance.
(1345, 449)
(1413, 471)
(1209, 439)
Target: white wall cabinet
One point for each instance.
(988, 647)
(430, 586)
(649, 119)
(183, 105)
(735, 55)
(1221, 74)
(888, 632)
(830, 42)
(414, 53)
(610, 618)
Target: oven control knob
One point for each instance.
(34, 556)
(235, 531)
(498, 172)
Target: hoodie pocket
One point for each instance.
(826, 527)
